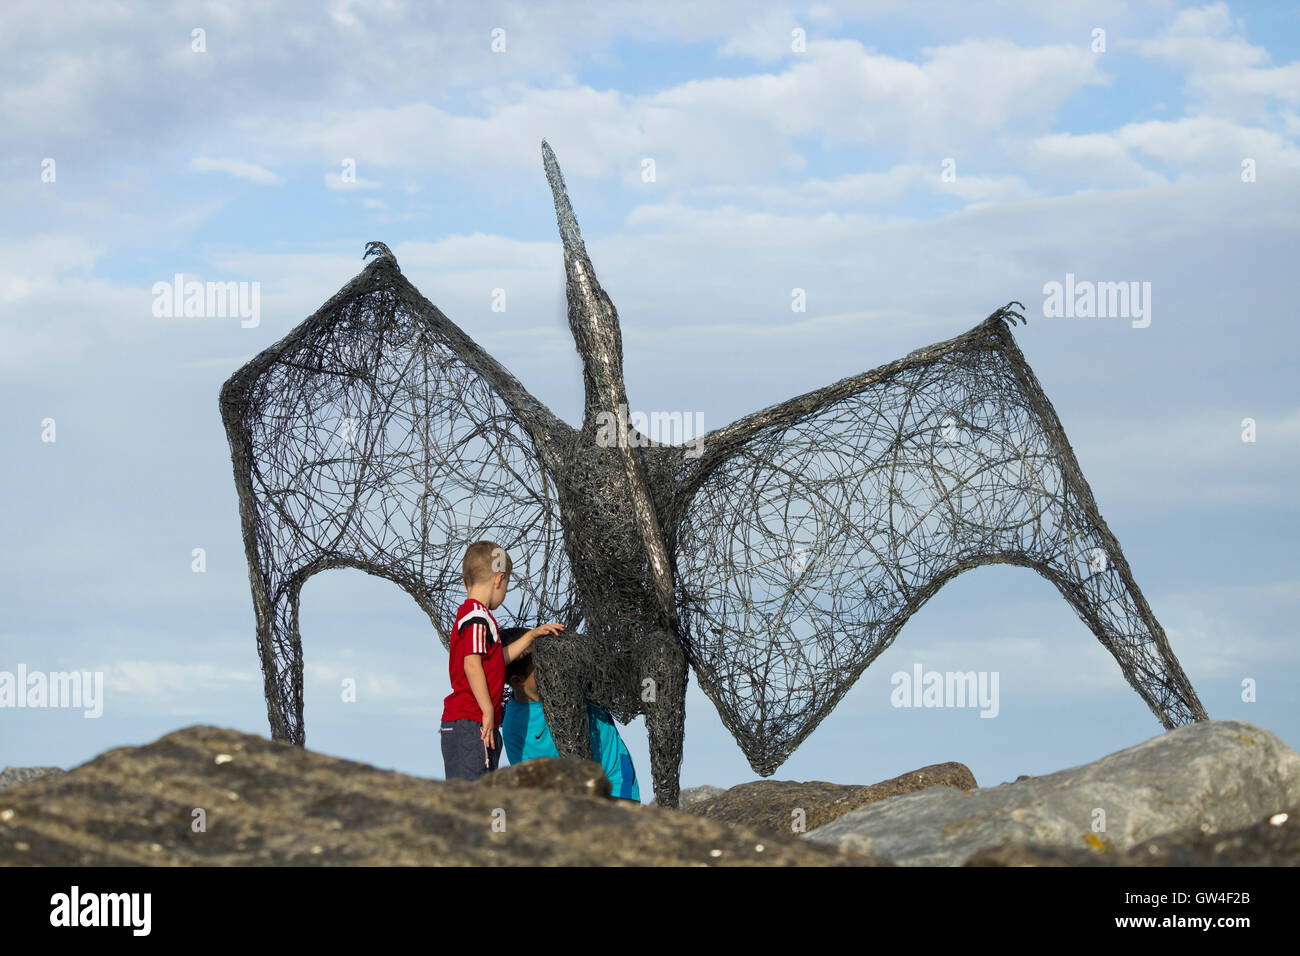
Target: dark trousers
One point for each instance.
(463, 755)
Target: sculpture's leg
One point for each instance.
(1063, 537)
(663, 695)
(1083, 559)
(1100, 587)
(280, 647)
(557, 664)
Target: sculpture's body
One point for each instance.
(779, 563)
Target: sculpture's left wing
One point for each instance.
(378, 435)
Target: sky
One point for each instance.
(911, 167)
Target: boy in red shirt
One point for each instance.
(473, 711)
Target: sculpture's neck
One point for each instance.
(595, 330)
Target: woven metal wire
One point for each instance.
(808, 533)
(778, 564)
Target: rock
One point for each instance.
(266, 802)
(770, 805)
(1223, 774)
(1037, 854)
(693, 795)
(567, 775)
(1272, 841)
(12, 775)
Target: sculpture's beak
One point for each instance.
(563, 208)
(592, 316)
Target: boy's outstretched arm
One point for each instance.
(524, 644)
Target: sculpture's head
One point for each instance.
(592, 316)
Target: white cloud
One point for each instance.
(378, 683)
(1227, 74)
(863, 189)
(336, 181)
(1097, 158)
(237, 168)
(1199, 38)
(1233, 87)
(725, 129)
(36, 264)
(1197, 460)
(167, 680)
(1202, 144)
(764, 38)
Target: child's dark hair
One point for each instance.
(520, 665)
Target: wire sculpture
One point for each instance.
(778, 561)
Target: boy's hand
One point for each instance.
(488, 735)
(524, 645)
(544, 630)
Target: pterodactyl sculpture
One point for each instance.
(779, 561)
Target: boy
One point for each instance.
(472, 712)
(527, 736)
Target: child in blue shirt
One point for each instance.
(527, 736)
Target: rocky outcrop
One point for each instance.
(787, 806)
(211, 796)
(1216, 775)
(565, 774)
(12, 775)
(1272, 841)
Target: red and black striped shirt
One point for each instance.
(475, 632)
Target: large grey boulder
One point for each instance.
(1273, 841)
(1212, 775)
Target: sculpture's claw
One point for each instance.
(1008, 314)
(379, 249)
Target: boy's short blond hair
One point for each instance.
(482, 560)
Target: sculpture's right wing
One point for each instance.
(808, 533)
(377, 435)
